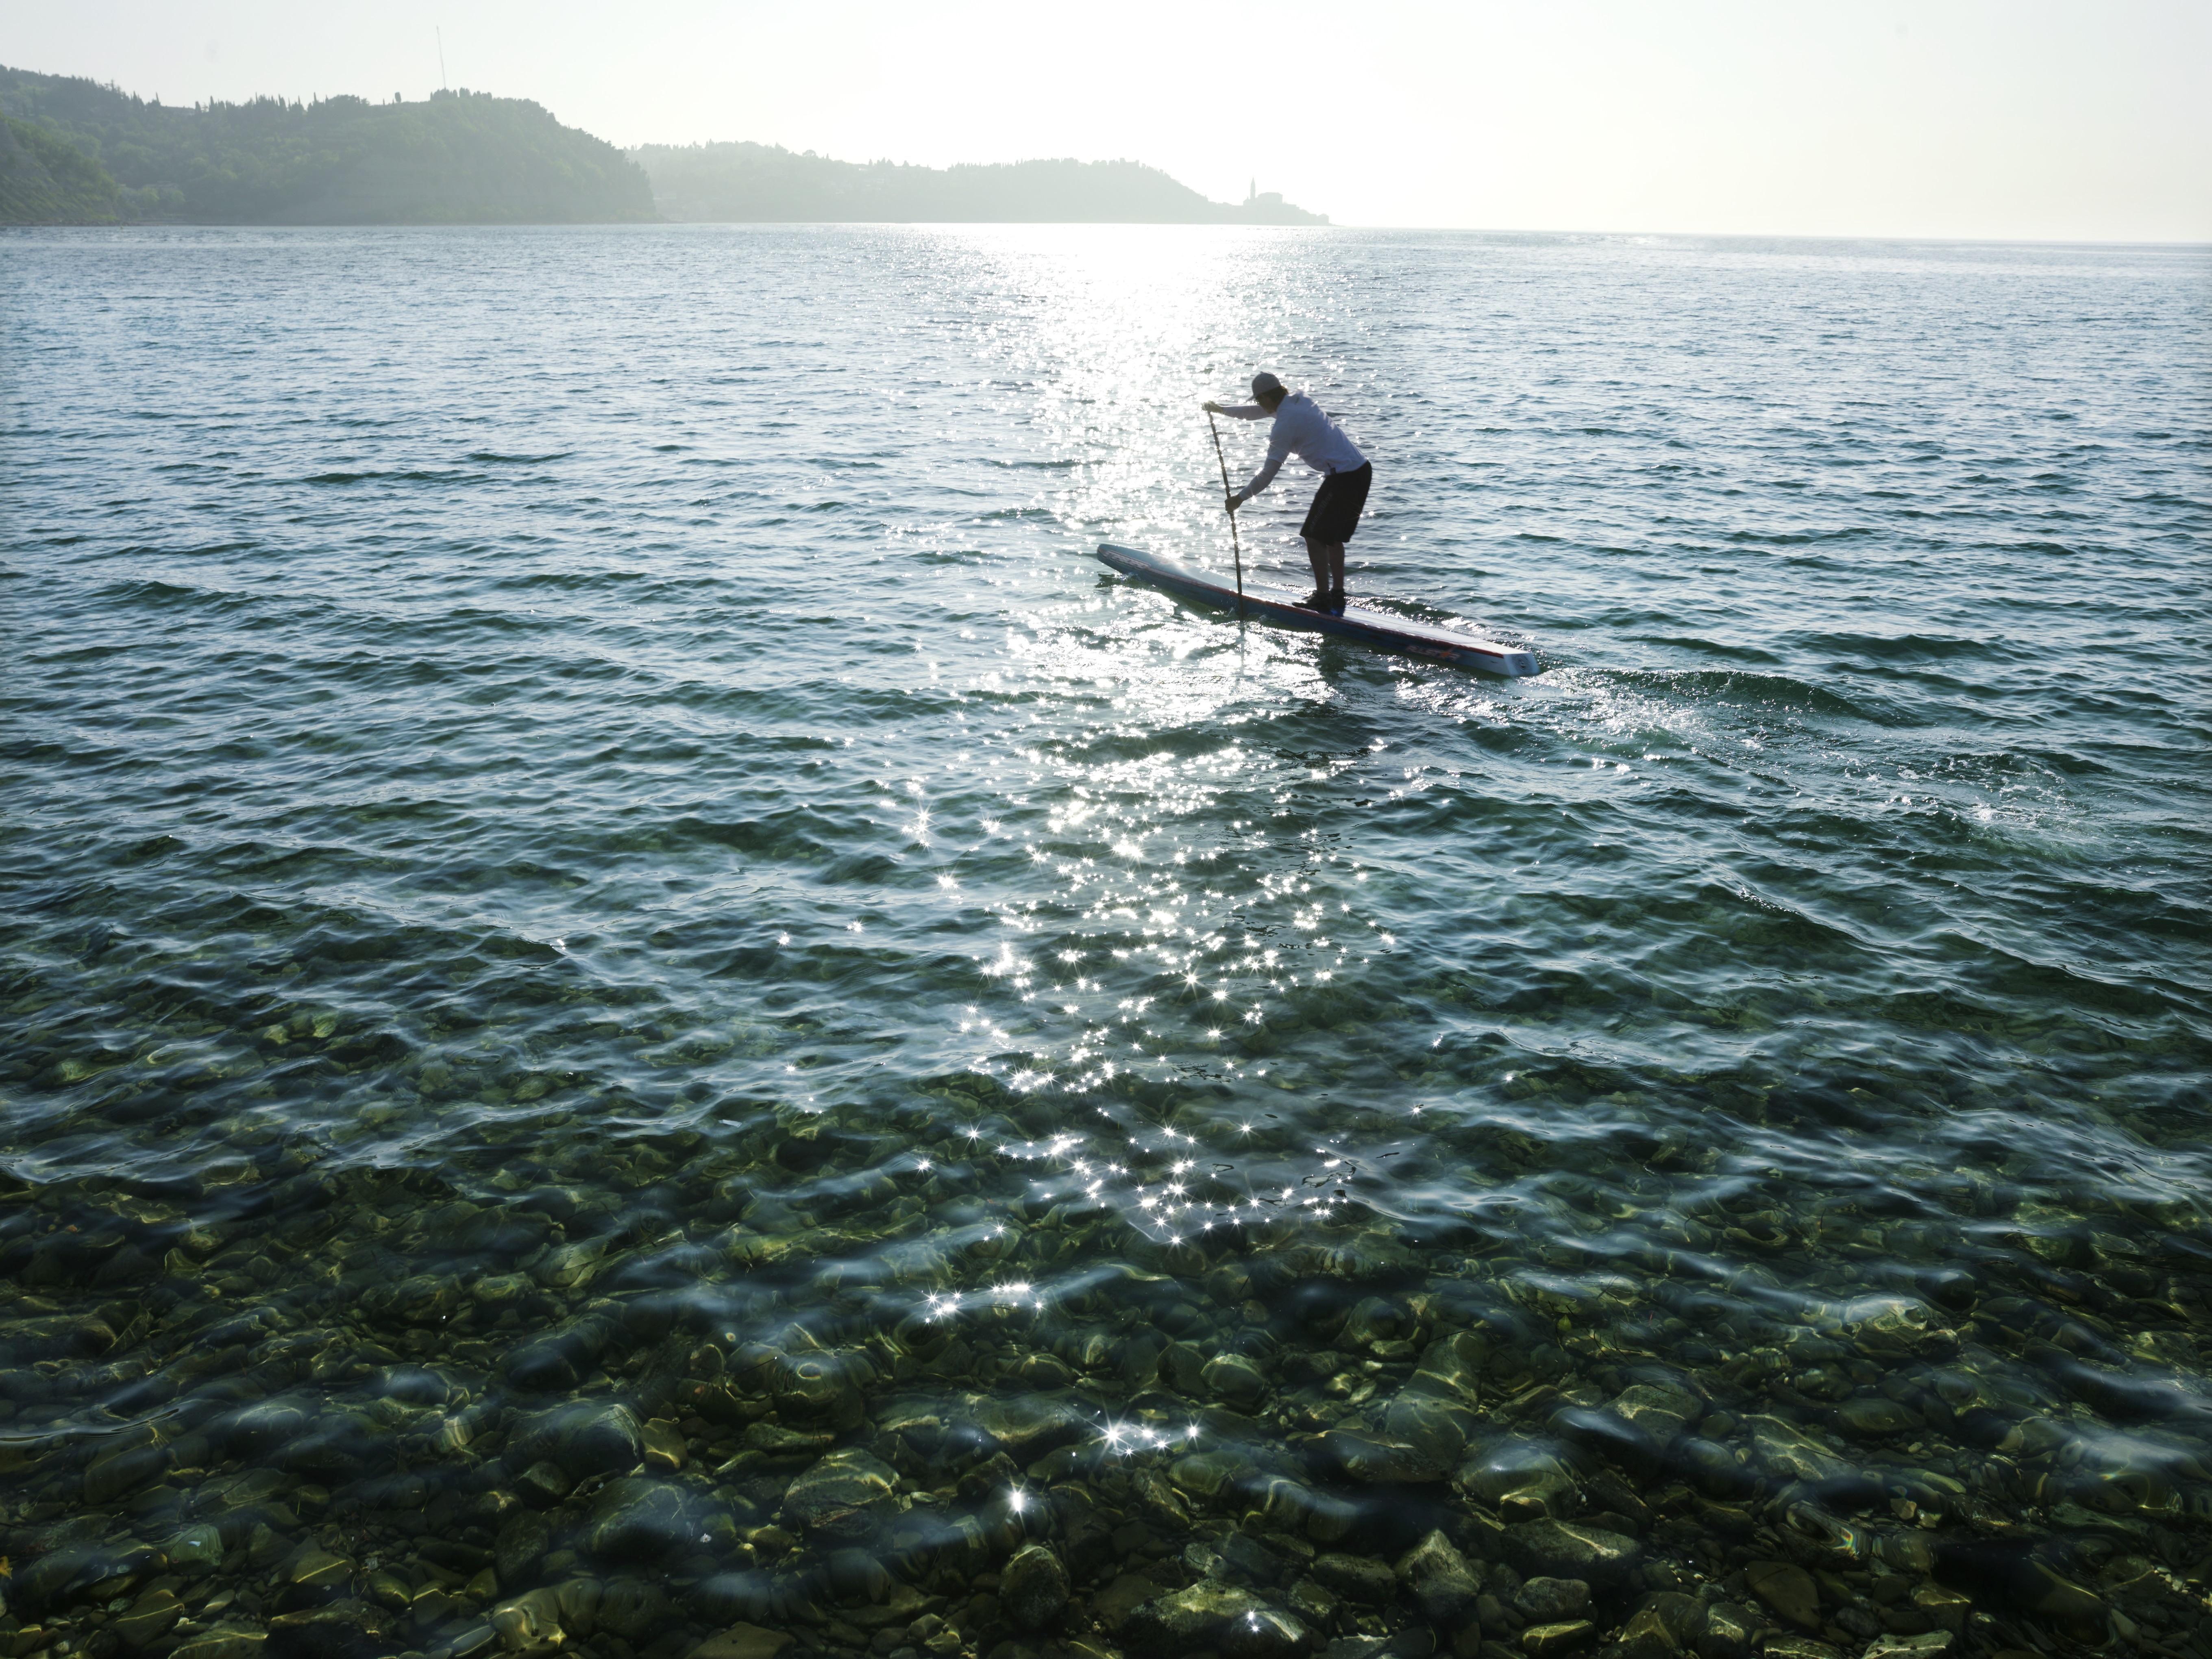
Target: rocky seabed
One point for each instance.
(813, 1388)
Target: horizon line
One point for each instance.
(2204, 245)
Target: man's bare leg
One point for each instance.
(1327, 559)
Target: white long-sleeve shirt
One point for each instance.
(1301, 429)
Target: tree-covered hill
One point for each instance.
(75, 152)
(46, 180)
(456, 158)
(739, 182)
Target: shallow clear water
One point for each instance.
(583, 834)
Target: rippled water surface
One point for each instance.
(638, 1005)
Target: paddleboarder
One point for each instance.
(1303, 429)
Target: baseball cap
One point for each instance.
(1264, 384)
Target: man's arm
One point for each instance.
(1278, 447)
(1239, 411)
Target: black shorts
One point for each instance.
(1337, 504)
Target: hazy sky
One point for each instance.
(1945, 118)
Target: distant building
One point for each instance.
(1268, 207)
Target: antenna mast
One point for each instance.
(442, 60)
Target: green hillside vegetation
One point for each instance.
(46, 180)
(740, 183)
(456, 158)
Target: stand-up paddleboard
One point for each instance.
(1385, 633)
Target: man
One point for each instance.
(1302, 429)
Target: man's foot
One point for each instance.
(1336, 602)
(1316, 600)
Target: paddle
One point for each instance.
(1233, 541)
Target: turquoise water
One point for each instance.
(636, 998)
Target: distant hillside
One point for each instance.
(457, 158)
(739, 183)
(46, 180)
(74, 152)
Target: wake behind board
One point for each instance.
(1385, 633)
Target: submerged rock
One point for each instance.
(1033, 1588)
(1235, 1380)
(1562, 1549)
(1870, 1417)
(221, 1643)
(1267, 1633)
(821, 1388)
(338, 1630)
(1730, 1632)
(1357, 1578)
(543, 1484)
(1660, 1411)
(1927, 1644)
(529, 1622)
(1666, 1624)
(1791, 1455)
(80, 1573)
(1203, 1474)
(1437, 1429)
(641, 1518)
(1525, 1480)
(743, 1642)
(1026, 1427)
(195, 1549)
(148, 1618)
(521, 1542)
(1188, 1620)
(1544, 1641)
(112, 1474)
(837, 1488)
(1788, 1589)
(1372, 1321)
(1547, 1600)
(1441, 1580)
(596, 1439)
(633, 1609)
(1369, 1459)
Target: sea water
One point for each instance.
(638, 1000)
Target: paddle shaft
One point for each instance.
(1233, 541)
